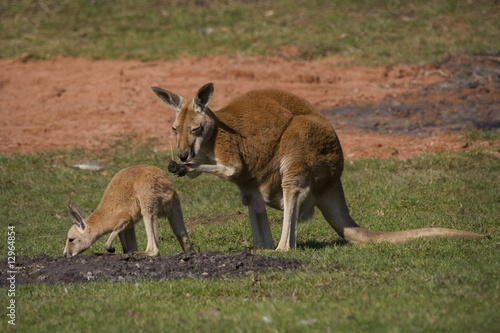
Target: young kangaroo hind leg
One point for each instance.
(176, 221)
(152, 248)
(128, 240)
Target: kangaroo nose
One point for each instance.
(183, 156)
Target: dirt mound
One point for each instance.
(123, 267)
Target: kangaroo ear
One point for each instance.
(76, 217)
(203, 97)
(169, 98)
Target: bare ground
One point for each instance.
(123, 267)
(379, 112)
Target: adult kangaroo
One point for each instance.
(280, 151)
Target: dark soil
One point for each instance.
(123, 267)
(468, 99)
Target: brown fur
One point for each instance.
(280, 151)
(135, 193)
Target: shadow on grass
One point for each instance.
(314, 244)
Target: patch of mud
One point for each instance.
(419, 118)
(468, 99)
(123, 267)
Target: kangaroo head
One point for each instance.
(79, 238)
(194, 122)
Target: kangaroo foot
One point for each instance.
(140, 253)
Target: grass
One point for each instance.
(373, 32)
(422, 286)
(477, 135)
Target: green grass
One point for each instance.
(423, 286)
(477, 135)
(374, 32)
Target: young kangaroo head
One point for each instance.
(194, 122)
(79, 237)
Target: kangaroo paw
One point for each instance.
(177, 169)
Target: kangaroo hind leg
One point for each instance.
(295, 199)
(128, 239)
(176, 221)
(261, 231)
(150, 221)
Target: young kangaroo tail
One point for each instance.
(335, 210)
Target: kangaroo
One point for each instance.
(140, 191)
(280, 151)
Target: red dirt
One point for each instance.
(74, 102)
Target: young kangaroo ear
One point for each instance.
(76, 217)
(169, 98)
(203, 97)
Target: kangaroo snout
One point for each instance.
(183, 156)
(186, 155)
(69, 255)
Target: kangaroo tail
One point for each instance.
(334, 208)
(359, 235)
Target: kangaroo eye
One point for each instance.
(197, 130)
(174, 129)
(71, 240)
